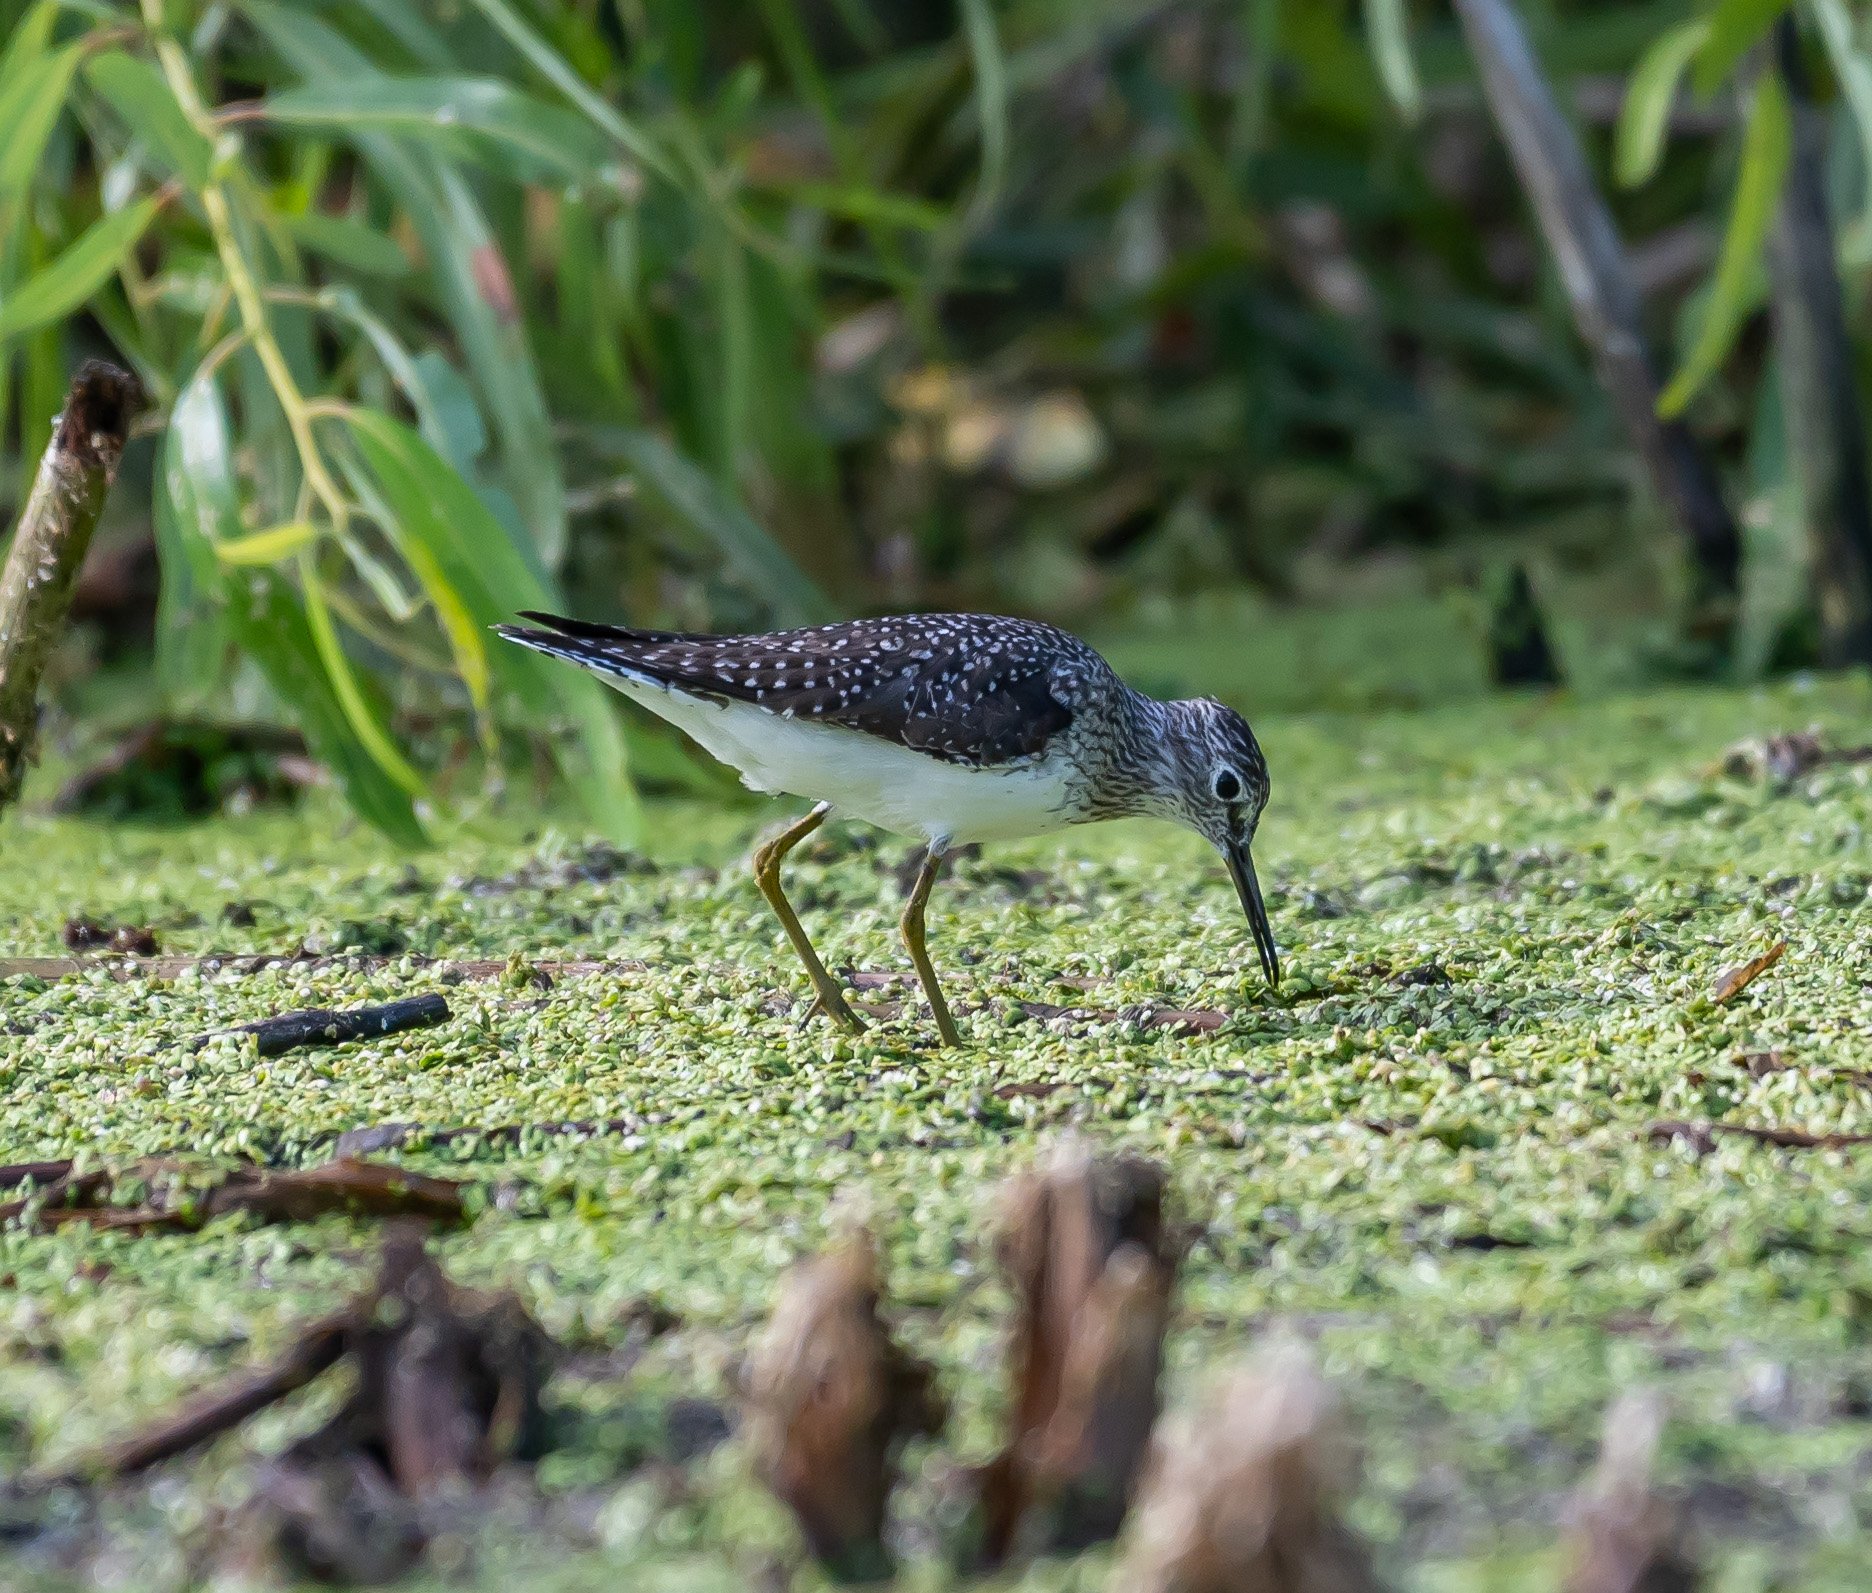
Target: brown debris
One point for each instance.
(1240, 1493)
(449, 1380)
(41, 1173)
(318, 1346)
(335, 1519)
(86, 934)
(1701, 1137)
(1739, 978)
(1782, 759)
(831, 1400)
(448, 1387)
(1084, 1242)
(175, 1194)
(1626, 1535)
(1763, 1064)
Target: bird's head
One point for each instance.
(1220, 787)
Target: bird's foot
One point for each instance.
(834, 1006)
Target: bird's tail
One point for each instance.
(605, 649)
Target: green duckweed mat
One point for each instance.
(1431, 1153)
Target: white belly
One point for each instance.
(864, 777)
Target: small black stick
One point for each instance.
(322, 1026)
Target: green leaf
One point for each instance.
(991, 103)
(1387, 25)
(61, 286)
(1646, 112)
(271, 546)
(872, 206)
(202, 607)
(1735, 28)
(462, 255)
(30, 39)
(442, 429)
(359, 712)
(1854, 72)
(349, 243)
(1767, 144)
(554, 67)
(450, 533)
(30, 102)
(141, 95)
(698, 500)
(197, 505)
(272, 626)
(546, 140)
(410, 28)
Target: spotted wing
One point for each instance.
(967, 688)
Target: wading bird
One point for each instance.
(949, 728)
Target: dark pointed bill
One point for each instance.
(1248, 888)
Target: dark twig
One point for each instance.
(1701, 1137)
(42, 565)
(320, 1026)
(179, 1195)
(39, 1172)
(1597, 276)
(1821, 413)
(318, 1346)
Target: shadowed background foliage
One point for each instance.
(1222, 318)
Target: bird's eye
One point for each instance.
(1228, 786)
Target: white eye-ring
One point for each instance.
(1228, 786)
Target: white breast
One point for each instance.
(862, 776)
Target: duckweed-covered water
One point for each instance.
(1428, 1153)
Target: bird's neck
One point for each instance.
(1141, 775)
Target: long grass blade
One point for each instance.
(362, 718)
(58, 288)
(991, 105)
(446, 530)
(1387, 25)
(1767, 144)
(1645, 115)
(141, 95)
(705, 506)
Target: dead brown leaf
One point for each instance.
(1626, 1535)
(1740, 977)
(1085, 1244)
(1241, 1493)
(831, 1400)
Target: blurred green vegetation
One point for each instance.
(734, 315)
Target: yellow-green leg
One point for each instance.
(912, 927)
(767, 860)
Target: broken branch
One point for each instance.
(321, 1026)
(42, 565)
(832, 1398)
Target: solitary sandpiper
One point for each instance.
(949, 728)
